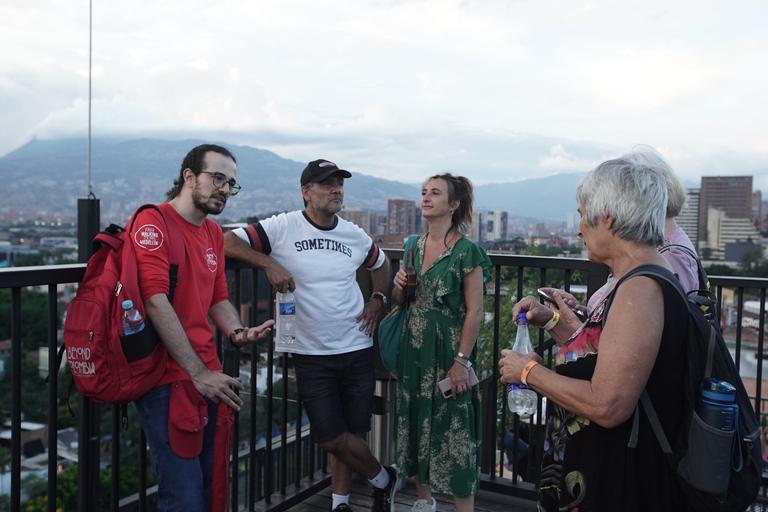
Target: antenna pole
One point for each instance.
(90, 72)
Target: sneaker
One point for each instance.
(424, 506)
(342, 507)
(384, 499)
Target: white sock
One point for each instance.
(381, 481)
(338, 499)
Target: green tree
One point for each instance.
(28, 260)
(41, 258)
(718, 269)
(34, 393)
(34, 311)
(751, 260)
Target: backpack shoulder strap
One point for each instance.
(658, 272)
(175, 241)
(650, 270)
(684, 248)
(703, 279)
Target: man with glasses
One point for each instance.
(188, 431)
(316, 255)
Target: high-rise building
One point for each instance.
(689, 216)
(732, 195)
(366, 220)
(723, 230)
(475, 232)
(571, 222)
(757, 206)
(403, 218)
(495, 226)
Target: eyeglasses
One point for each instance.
(219, 180)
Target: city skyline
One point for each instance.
(497, 90)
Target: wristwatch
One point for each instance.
(380, 296)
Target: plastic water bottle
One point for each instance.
(132, 320)
(522, 399)
(286, 316)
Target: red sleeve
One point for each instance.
(153, 252)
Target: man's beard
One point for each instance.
(204, 206)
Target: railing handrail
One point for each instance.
(16, 278)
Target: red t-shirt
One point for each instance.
(201, 282)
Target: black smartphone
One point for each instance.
(544, 295)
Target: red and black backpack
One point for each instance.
(108, 366)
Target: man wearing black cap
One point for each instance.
(316, 255)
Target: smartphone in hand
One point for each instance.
(445, 384)
(544, 295)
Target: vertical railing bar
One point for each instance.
(739, 327)
(758, 356)
(297, 445)
(254, 394)
(15, 398)
(284, 429)
(114, 478)
(268, 467)
(761, 331)
(312, 449)
(234, 458)
(142, 471)
(53, 384)
(496, 356)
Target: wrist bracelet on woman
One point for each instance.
(465, 364)
(526, 371)
(553, 322)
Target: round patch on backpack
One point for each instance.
(149, 237)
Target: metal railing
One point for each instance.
(282, 470)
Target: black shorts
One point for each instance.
(337, 392)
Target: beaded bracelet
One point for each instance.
(467, 364)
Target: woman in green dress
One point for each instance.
(437, 440)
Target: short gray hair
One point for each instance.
(675, 190)
(634, 194)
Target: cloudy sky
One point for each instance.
(498, 90)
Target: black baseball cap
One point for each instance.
(318, 170)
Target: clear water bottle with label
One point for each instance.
(132, 320)
(286, 316)
(522, 399)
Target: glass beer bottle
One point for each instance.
(412, 279)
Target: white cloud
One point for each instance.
(402, 87)
(560, 160)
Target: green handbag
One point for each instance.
(390, 330)
(391, 327)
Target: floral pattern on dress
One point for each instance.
(435, 438)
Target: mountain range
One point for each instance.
(46, 177)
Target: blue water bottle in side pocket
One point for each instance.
(716, 407)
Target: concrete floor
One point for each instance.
(360, 501)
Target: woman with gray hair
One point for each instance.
(676, 247)
(587, 465)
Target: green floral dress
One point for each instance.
(435, 438)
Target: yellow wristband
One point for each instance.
(553, 322)
(526, 371)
